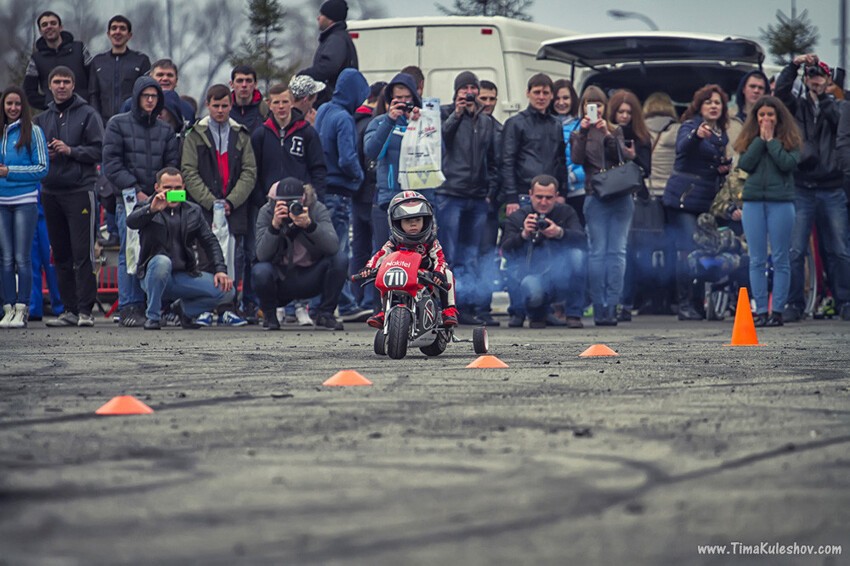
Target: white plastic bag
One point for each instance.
(420, 162)
(131, 247)
(222, 233)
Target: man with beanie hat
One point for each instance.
(471, 169)
(336, 51)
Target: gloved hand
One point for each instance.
(440, 278)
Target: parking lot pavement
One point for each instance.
(677, 442)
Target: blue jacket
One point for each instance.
(382, 143)
(338, 133)
(695, 179)
(27, 165)
(575, 173)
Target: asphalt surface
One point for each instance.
(679, 441)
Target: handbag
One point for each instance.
(624, 178)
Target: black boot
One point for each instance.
(685, 291)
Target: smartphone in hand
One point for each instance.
(593, 112)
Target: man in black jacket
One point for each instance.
(471, 169)
(167, 265)
(819, 195)
(249, 108)
(55, 47)
(532, 144)
(74, 137)
(136, 145)
(114, 72)
(336, 51)
(544, 245)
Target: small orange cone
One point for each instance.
(744, 330)
(487, 362)
(124, 405)
(346, 378)
(598, 351)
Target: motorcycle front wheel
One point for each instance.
(398, 332)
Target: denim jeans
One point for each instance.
(17, 230)
(41, 260)
(339, 208)
(249, 257)
(462, 222)
(608, 224)
(827, 210)
(361, 250)
(199, 293)
(532, 290)
(130, 292)
(276, 288)
(769, 222)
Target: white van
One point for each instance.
(498, 49)
(645, 62)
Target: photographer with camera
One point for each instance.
(819, 196)
(168, 269)
(544, 245)
(297, 253)
(471, 169)
(382, 144)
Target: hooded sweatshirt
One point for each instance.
(382, 143)
(337, 130)
(79, 126)
(137, 144)
(253, 114)
(295, 151)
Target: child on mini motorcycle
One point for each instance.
(412, 228)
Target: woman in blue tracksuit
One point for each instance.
(382, 144)
(23, 163)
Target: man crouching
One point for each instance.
(168, 269)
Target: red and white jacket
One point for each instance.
(432, 254)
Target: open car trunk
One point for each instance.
(645, 62)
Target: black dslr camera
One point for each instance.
(409, 106)
(542, 224)
(295, 207)
(470, 97)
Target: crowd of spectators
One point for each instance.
(259, 211)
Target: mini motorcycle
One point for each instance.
(412, 315)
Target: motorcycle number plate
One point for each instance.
(395, 277)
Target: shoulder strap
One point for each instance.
(658, 137)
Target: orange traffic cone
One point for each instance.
(744, 330)
(346, 378)
(487, 362)
(598, 351)
(124, 405)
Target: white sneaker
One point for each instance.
(85, 320)
(302, 317)
(280, 313)
(21, 316)
(8, 313)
